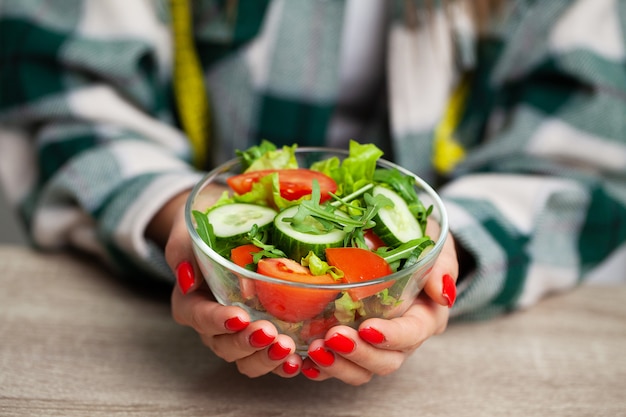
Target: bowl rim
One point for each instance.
(246, 273)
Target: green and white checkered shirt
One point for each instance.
(90, 144)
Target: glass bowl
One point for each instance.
(234, 285)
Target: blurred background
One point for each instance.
(10, 230)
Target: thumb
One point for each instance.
(179, 255)
(441, 283)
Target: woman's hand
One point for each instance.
(256, 347)
(381, 346)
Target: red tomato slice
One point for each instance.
(289, 303)
(359, 265)
(242, 256)
(372, 240)
(294, 183)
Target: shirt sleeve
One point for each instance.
(89, 151)
(540, 199)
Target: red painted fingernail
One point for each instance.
(310, 371)
(322, 356)
(185, 276)
(277, 352)
(290, 368)
(371, 335)
(235, 324)
(449, 290)
(340, 343)
(259, 339)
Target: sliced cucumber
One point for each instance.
(231, 220)
(395, 225)
(297, 244)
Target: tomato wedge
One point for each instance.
(288, 303)
(242, 256)
(360, 265)
(293, 183)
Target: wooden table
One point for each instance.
(76, 341)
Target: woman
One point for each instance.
(513, 109)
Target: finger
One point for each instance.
(322, 363)
(233, 347)
(205, 316)
(441, 283)
(180, 257)
(348, 346)
(422, 320)
(290, 367)
(270, 359)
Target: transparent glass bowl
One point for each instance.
(234, 285)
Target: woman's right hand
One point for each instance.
(256, 347)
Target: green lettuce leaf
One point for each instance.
(319, 267)
(347, 310)
(355, 171)
(284, 158)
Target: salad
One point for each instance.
(336, 221)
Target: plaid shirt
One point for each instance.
(90, 145)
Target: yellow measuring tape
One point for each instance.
(448, 152)
(189, 89)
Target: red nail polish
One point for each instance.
(371, 335)
(322, 356)
(277, 352)
(185, 276)
(449, 290)
(340, 343)
(310, 371)
(259, 339)
(235, 324)
(290, 368)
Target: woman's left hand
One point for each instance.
(381, 346)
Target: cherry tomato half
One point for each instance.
(293, 183)
(289, 303)
(372, 240)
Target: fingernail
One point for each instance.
(310, 371)
(277, 352)
(185, 276)
(449, 289)
(235, 324)
(340, 343)
(259, 339)
(371, 335)
(290, 368)
(322, 356)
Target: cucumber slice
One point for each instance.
(237, 219)
(395, 225)
(297, 244)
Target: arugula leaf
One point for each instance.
(259, 239)
(204, 228)
(407, 250)
(405, 186)
(205, 231)
(314, 218)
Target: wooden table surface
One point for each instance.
(76, 341)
